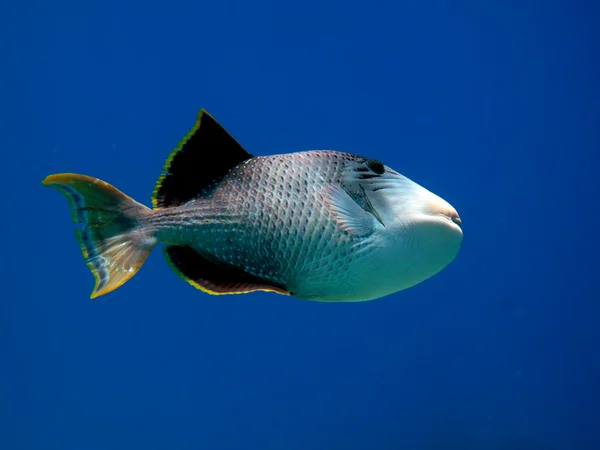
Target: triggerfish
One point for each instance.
(317, 225)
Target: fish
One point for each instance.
(320, 225)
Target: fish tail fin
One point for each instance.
(112, 236)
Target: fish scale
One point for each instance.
(256, 234)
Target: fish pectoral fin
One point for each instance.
(348, 215)
(213, 277)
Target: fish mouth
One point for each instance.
(455, 221)
(452, 220)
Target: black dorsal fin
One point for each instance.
(205, 154)
(213, 277)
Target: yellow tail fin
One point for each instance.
(112, 236)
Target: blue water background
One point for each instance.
(493, 105)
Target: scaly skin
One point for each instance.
(272, 217)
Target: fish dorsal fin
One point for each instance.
(205, 154)
(213, 277)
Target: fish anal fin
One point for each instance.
(214, 278)
(348, 215)
(204, 155)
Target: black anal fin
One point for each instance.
(205, 154)
(215, 278)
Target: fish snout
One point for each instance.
(437, 206)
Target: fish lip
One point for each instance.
(454, 220)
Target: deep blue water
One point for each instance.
(493, 105)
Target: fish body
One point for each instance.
(317, 225)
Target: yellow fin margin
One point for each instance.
(169, 159)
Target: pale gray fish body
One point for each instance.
(322, 224)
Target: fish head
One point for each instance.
(422, 232)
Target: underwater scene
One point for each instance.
(300, 225)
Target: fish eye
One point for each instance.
(376, 166)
